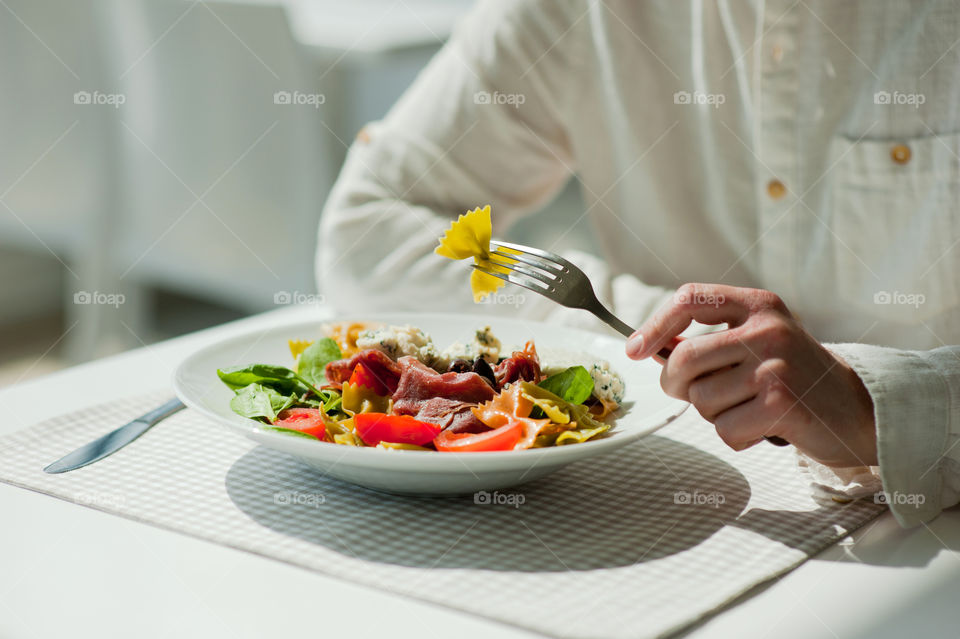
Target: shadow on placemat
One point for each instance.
(639, 504)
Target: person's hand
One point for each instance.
(762, 375)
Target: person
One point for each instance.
(802, 156)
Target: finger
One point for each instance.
(705, 303)
(662, 355)
(745, 424)
(698, 356)
(713, 394)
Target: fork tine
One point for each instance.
(535, 285)
(535, 252)
(541, 273)
(546, 278)
(551, 267)
(566, 285)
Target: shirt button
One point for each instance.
(776, 52)
(776, 189)
(900, 154)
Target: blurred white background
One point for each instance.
(163, 163)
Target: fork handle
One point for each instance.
(624, 329)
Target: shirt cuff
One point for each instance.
(840, 484)
(911, 407)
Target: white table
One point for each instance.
(67, 570)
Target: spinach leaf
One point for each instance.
(256, 400)
(309, 402)
(279, 378)
(573, 385)
(329, 399)
(332, 402)
(313, 361)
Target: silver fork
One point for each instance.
(563, 282)
(555, 278)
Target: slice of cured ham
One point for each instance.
(522, 365)
(440, 399)
(384, 369)
(450, 414)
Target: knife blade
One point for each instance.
(113, 441)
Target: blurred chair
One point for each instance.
(225, 167)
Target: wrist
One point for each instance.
(862, 434)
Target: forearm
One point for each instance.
(377, 236)
(440, 152)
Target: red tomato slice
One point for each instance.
(374, 428)
(306, 420)
(361, 375)
(503, 438)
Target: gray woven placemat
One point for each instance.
(639, 543)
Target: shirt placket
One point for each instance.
(777, 174)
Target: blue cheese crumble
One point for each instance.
(484, 344)
(399, 341)
(607, 384)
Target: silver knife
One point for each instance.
(114, 441)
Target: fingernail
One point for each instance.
(635, 345)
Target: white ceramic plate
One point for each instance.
(645, 409)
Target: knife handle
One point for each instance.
(162, 412)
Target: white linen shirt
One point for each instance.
(807, 147)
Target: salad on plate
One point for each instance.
(361, 384)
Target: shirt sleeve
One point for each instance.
(916, 400)
(484, 123)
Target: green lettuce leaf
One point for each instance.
(256, 400)
(279, 378)
(328, 400)
(574, 385)
(313, 361)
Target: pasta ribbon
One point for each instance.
(509, 407)
(345, 334)
(297, 346)
(361, 399)
(469, 236)
(576, 425)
